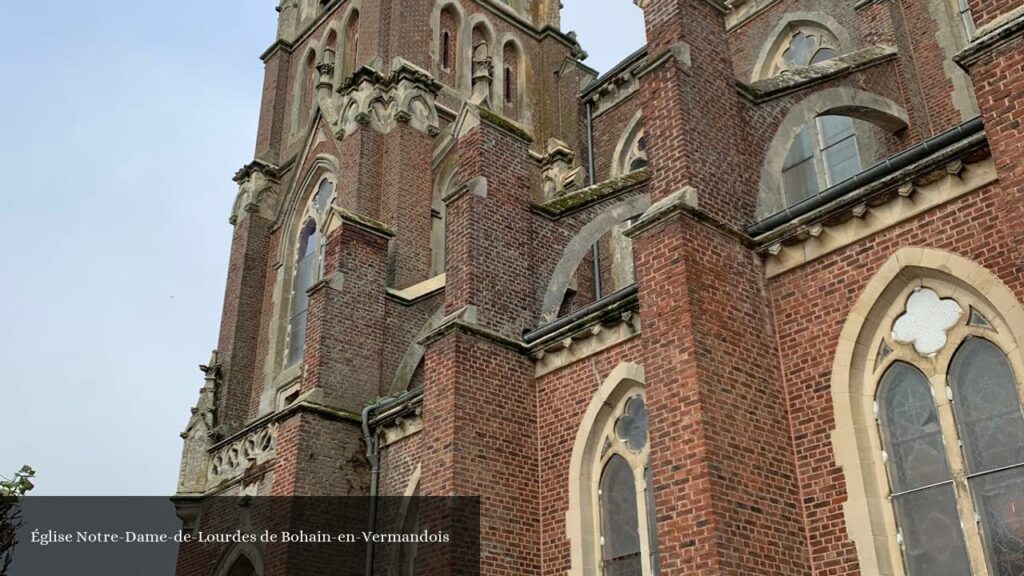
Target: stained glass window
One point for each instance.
(308, 263)
(919, 474)
(620, 546)
(991, 425)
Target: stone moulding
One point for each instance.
(418, 292)
(572, 202)
(991, 36)
(382, 101)
(231, 461)
(879, 206)
(257, 191)
(777, 86)
(587, 336)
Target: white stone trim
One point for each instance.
(870, 520)
(582, 522)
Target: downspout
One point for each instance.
(591, 177)
(373, 455)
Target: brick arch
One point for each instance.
(842, 101)
(869, 518)
(580, 246)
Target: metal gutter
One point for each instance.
(873, 174)
(609, 300)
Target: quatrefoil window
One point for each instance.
(632, 425)
(926, 322)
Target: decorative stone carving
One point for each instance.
(257, 191)
(483, 75)
(927, 320)
(198, 434)
(231, 461)
(559, 176)
(381, 102)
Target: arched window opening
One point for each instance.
(628, 542)
(951, 425)
(511, 80)
(309, 252)
(443, 185)
(242, 567)
(991, 429)
(448, 46)
(446, 51)
(620, 530)
(923, 494)
(351, 44)
(330, 51)
(824, 154)
(306, 86)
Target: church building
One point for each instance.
(748, 304)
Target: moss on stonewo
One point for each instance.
(563, 204)
(505, 124)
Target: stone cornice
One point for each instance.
(362, 222)
(571, 203)
(465, 321)
(418, 292)
(945, 176)
(988, 38)
(807, 76)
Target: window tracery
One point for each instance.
(948, 409)
(308, 266)
(804, 46)
(625, 494)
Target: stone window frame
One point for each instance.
(840, 101)
(630, 147)
(320, 220)
(459, 53)
(519, 102)
(583, 521)
(338, 26)
(856, 440)
(826, 40)
(444, 184)
(304, 90)
(280, 377)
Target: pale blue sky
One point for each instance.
(123, 122)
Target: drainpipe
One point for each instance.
(596, 249)
(373, 455)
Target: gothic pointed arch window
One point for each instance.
(943, 366)
(825, 152)
(512, 80)
(615, 533)
(310, 244)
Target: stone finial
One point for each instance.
(199, 432)
(559, 176)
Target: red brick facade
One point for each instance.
(737, 320)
